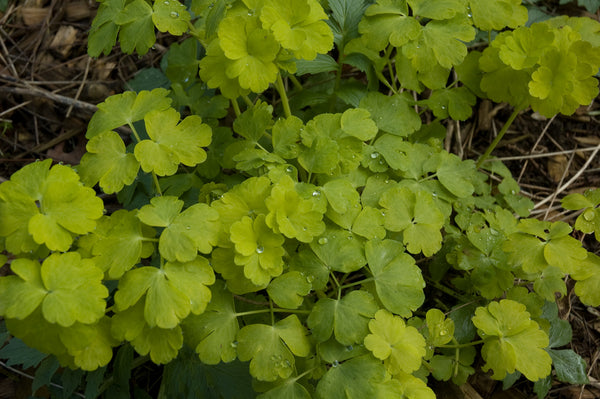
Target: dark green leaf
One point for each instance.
(44, 373)
(93, 381)
(17, 353)
(323, 63)
(569, 366)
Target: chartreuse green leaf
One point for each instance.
(68, 289)
(161, 344)
(170, 16)
(346, 318)
(91, 345)
(271, 349)
(289, 289)
(104, 30)
(587, 278)
(108, 163)
(456, 102)
(172, 292)
(436, 9)
(213, 70)
(438, 47)
(416, 215)
(137, 29)
(356, 378)
(540, 244)
(339, 251)
(195, 229)
(404, 385)
(392, 114)
(369, 224)
(401, 347)
(441, 329)
(512, 341)
(43, 205)
(258, 249)
(290, 389)
(252, 50)
(398, 280)
(223, 261)
(286, 135)
(253, 123)
(388, 21)
(121, 243)
(357, 122)
(213, 332)
(589, 220)
(299, 26)
(308, 263)
(171, 142)
(497, 14)
(126, 108)
(550, 60)
(291, 215)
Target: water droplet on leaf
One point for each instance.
(349, 348)
(234, 344)
(335, 363)
(589, 215)
(316, 193)
(174, 14)
(323, 240)
(374, 155)
(260, 249)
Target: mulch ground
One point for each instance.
(48, 91)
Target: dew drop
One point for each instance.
(470, 15)
(188, 227)
(166, 3)
(335, 363)
(289, 169)
(350, 237)
(104, 211)
(316, 193)
(250, 13)
(310, 279)
(443, 107)
(442, 333)
(234, 344)
(374, 155)
(304, 228)
(494, 232)
(260, 249)
(323, 240)
(349, 348)
(174, 14)
(589, 215)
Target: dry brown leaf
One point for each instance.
(64, 39)
(557, 165)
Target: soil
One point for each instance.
(49, 88)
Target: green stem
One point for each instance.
(236, 107)
(296, 82)
(462, 345)
(357, 283)
(282, 93)
(248, 102)
(135, 133)
(489, 150)
(259, 311)
(155, 178)
(337, 283)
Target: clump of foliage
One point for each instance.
(319, 240)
